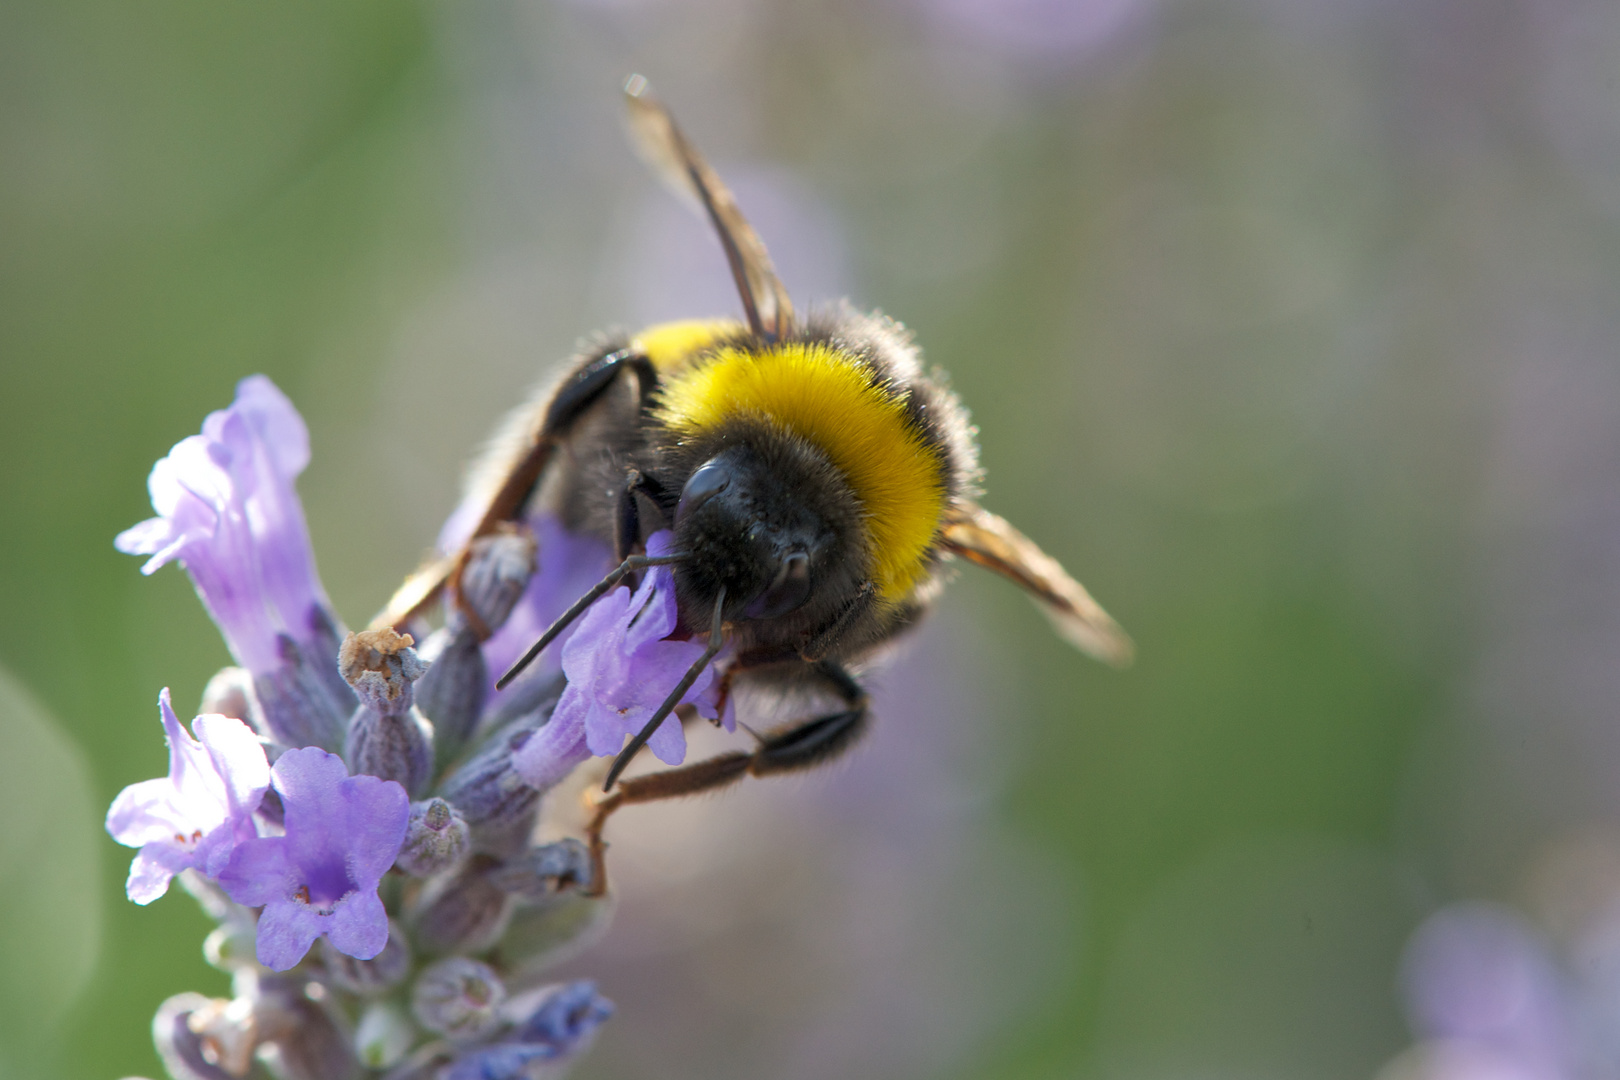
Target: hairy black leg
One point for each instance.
(627, 516)
(582, 390)
(801, 745)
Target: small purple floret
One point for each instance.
(342, 834)
(196, 816)
(228, 511)
(621, 664)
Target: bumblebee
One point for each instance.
(817, 480)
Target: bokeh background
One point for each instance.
(1292, 326)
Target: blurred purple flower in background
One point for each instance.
(195, 816)
(1485, 994)
(1040, 29)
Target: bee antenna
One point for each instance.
(717, 639)
(634, 562)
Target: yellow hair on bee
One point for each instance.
(669, 345)
(827, 397)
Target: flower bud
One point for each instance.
(558, 1022)
(230, 945)
(547, 874)
(383, 1036)
(381, 666)
(530, 699)
(498, 570)
(563, 1015)
(301, 1038)
(381, 973)
(458, 998)
(462, 911)
(496, 802)
(426, 1062)
(436, 837)
(197, 1042)
(297, 706)
(452, 693)
(538, 938)
(229, 693)
(387, 737)
(323, 646)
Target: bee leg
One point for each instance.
(627, 521)
(803, 745)
(582, 390)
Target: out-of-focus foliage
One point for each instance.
(1289, 325)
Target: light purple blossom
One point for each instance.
(342, 834)
(228, 511)
(196, 816)
(621, 664)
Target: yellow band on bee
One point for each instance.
(827, 397)
(668, 345)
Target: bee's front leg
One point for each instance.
(801, 745)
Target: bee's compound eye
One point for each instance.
(711, 478)
(787, 592)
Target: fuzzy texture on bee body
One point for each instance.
(834, 445)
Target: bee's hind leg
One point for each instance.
(802, 745)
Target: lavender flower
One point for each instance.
(621, 664)
(342, 835)
(195, 816)
(307, 844)
(227, 510)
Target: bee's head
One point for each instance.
(755, 520)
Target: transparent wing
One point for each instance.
(677, 162)
(981, 537)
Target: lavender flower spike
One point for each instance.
(621, 664)
(342, 834)
(228, 511)
(195, 816)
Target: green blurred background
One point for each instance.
(1289, 326)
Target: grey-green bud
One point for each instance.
(464, 910)
(378, 975)
(458, 998)
(436, 838)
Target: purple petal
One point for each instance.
(286, 930)
(376, 813)
(653, 610)
(307, 781)
(358, 926)
(554, 749)
(150, 872)
(668, 743)
(194, 816)
(259, 872)
(276, 422)
(238, 757)
(144, 813)
(228, 511)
